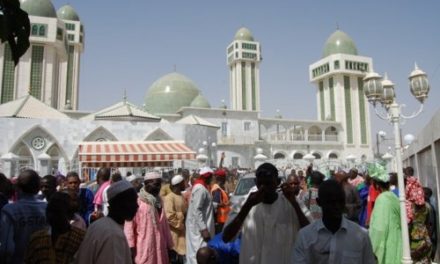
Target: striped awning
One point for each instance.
(133, 154)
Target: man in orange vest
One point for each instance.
(220, 200)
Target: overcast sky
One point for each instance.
(129, 44)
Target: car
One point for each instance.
(242, 190)
(246, 185)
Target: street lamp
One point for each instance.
(388, 158)
(351, 160)
(309, 158)
(382, 91)
(209, 149)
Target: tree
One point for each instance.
(14, 28)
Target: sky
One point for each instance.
(130, 44)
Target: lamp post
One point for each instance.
(382, 91)
(380, 135)
(309, 158)
(209, 148)
(201, 157)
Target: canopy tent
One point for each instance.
(133, 154)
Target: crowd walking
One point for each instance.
(346, 216)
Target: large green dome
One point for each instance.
(244, 34)
(339, 42)
(67, 12)
(42, 8)
(169, 93)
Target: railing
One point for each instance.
(297, 137)
(231, 140)
(331, 137)
(315, 137)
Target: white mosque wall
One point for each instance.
(19, 134)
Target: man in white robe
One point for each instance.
(200, 217)
(269, 221)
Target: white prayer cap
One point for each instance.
(131, 178)
(118, 187)
(176, 180)
(152, 175)
(205, 171)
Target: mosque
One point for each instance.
(42, 127)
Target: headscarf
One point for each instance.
(378, 172)
(414, 195)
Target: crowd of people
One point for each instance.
(346, 217)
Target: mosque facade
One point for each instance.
(42, 127)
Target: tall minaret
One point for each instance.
(243, 58)
(70, 68)
(340, 96)
(49, 70)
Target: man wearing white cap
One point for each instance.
(200, 218)
(106, 234)
(148, 234)
(175, 209)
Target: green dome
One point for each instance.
(67, 12)
(200, 102)
(42, 8)
(169, 93)
(339, 42)
(244, 34)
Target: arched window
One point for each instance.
(331, 134)
(279, 156)
(333, 156)
(34, 30)
(25, 159)
(315, 133)
(55, 155)
(298, 156)
(297, 133)
(42, 31)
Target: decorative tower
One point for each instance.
(70, 68)
(340, 95)
(243, 58)
(49, 70)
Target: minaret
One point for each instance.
(340, 96)
(243, 58)
(49, 70)
(70, 68)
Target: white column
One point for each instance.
(248, 87)
(8, 164)
(238, 86)
(231, 87)
(257, 85)
(43, 164)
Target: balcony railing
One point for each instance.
(300, 137)
(315, 137)
(331, 137)
(239, 140)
